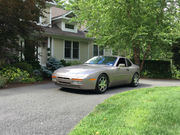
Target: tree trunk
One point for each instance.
(145, 56)
(136, 53)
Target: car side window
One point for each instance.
(128, 63)
(121, 61)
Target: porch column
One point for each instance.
(52, 47)
(49, 47)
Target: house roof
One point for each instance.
(58, 32)
(56, 12)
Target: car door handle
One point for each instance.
(127, 69)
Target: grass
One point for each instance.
(148, 111)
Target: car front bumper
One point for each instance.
(85, 84)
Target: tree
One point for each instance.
(19, 18)
(61, 3)
(176, 53)
(145, 26)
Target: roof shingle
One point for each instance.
(58, 12)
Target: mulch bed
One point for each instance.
(16, 85)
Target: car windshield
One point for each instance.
(104, 60)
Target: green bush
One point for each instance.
(64, 63)
(38, 78)
(176, 53)
(70, 63)
(3, 81)
(14, 74)
(29, 80)
(35, 64)
(156, 69)
(24, 66)
(175, 72)
(51, 65)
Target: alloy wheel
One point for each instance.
(102, 84)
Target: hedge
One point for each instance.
(156, 69)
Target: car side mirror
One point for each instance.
(121, 65)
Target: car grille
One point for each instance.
(63, 80)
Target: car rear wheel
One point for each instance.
(135, 80)
(102, 84)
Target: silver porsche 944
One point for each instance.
(98, 73)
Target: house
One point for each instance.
(65, 40)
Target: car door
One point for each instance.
(122, 74)
(130, 70)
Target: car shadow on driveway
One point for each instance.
(112, 90)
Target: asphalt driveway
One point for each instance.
(47, 110)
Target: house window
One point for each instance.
(101, 51)
(75, 50)
(71, 50)
(68, 49)
(98, 50)
(69, 26)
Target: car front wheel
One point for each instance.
(102, 84)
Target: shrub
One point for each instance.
(74, 63)
(51, 65)
(35, 64)
(37, 72)
(14, 74)
(176, 53)
(70, 63)
(29, 80)
(64, 63)
(38, 78)
(3, 81)
(156, 69)
(24, 66)
(175, 72)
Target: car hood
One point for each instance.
(80, 70)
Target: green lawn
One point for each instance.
(148, 111)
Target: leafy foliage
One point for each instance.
(18, 18)
(51, 65)
(14, 74)
(3, 81)
(156, 69)
(70, 63)
(175, 72)
(146, 27)
(24, 66)
(61, 3)
(176, 54)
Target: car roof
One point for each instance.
(113, 56)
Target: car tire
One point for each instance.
(135, 80)
(102, 84)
